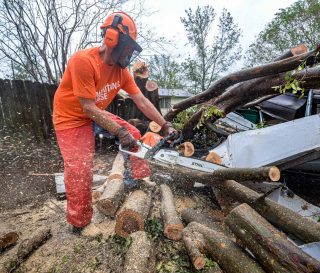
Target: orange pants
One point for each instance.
(77, 149)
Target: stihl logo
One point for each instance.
(197, 164)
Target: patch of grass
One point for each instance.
(155, 227)
(121, 245)
(77, 248)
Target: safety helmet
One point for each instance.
(113, 24)
(119, 33)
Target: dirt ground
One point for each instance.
(28, 202)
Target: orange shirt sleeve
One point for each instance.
(82, 75)
(129, 84)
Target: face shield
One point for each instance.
(126, 50)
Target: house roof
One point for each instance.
(180, 93)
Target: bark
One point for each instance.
(230, 257)
(289, 221)
(153, 94)
(195, 246)
(270, 247)
(140, 257)
(13, 258)
(132, 215)
(237, 96)
(172, 224)
(112, 197)
(186, 148)
(248, 174)
(190, 215)
(116, 172)
(8, 239)
(219, 86)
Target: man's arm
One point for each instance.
(148, 109)
(99, 116)
(96, 114)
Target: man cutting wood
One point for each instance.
(90, 82)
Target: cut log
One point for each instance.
(289, 221)
(116, 172)
(248, 174)
(172, 224)
(112, 197)
(132, 215)
(8, 239)
(140, 70)
(186, 148)
(219, 86)
(230, 257)
(213, 158)
(14, 257)
(140, 256)
(270, 247)
(195, 246)
(154, 127)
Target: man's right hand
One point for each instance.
(126, 140)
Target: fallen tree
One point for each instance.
(8, 239)
(219, 86)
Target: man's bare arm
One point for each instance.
(98, 115)
(148, 109)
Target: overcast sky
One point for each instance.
(250, 15)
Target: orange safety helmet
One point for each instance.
(117, 22)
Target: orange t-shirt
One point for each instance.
(87, 76)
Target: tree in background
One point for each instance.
(299, 23)
(38, 36)
(165, 71)
(214, 54)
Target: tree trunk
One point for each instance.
(289, 221)
(230, 257)
(172, 224)
(140, 255)
(132, 215)
(13, 258)
(270, 247)
(219, 86)
(8, 239)
(248, 174)
(111, 198)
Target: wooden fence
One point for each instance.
(27, 107)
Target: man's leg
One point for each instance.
(77, 149)
(139, 167)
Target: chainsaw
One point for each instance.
(164, 153)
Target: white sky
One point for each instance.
(250, 15)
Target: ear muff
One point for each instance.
(111, 37)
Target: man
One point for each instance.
(92, 79)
